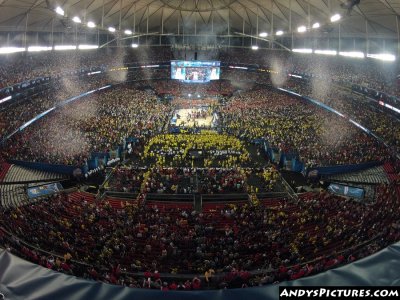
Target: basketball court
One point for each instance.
(190, 117)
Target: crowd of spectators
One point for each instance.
(243, 79)
(128, 178)
(176, 88)
(97, 241)
(192, 180)
(215, 181)
(208, 147)
(294, 126)
(270, 176)
(366, 112)
(187, 103)
(20, 67)
(98, 123)
(14, 114)
(290, 240)
(101, 122)
(368, 73)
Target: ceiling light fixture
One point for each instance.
(302, 50)
(59, 11)
(383, 56)
(87, 47)
(352, 54)
(39, 48)
(77, 19)
(302, 29)
(316, 25)
(336, 18)
(326, 52)
(7, 50)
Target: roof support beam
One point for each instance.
(398, 35)
(120, 14)
(387, 4)
(137, 1)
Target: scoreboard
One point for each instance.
(195, 71)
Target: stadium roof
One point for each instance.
(204, 16)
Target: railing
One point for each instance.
(288, 188)
(273, 195)
(121, 195)
(218, 276)
(212, 198)
(188, 198)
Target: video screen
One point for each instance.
(348, 191)
(195, 71)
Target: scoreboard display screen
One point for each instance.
(347, 191)
(195, 71)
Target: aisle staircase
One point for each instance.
(390, 172)
(375, 175)
(15, 194)
(4, 167)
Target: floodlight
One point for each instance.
(87, 47)
(326, 52)
(352, 54)
(59, 11)
(77, 19)
(302, 29)
(8, 50)
(305, 50)
(39, 48)
(65, 47)
(316, 25)
(336, 18)
(383, 56)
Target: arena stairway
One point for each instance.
(15, 194)
(375, 175)
(390, 172)
(4, 167)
